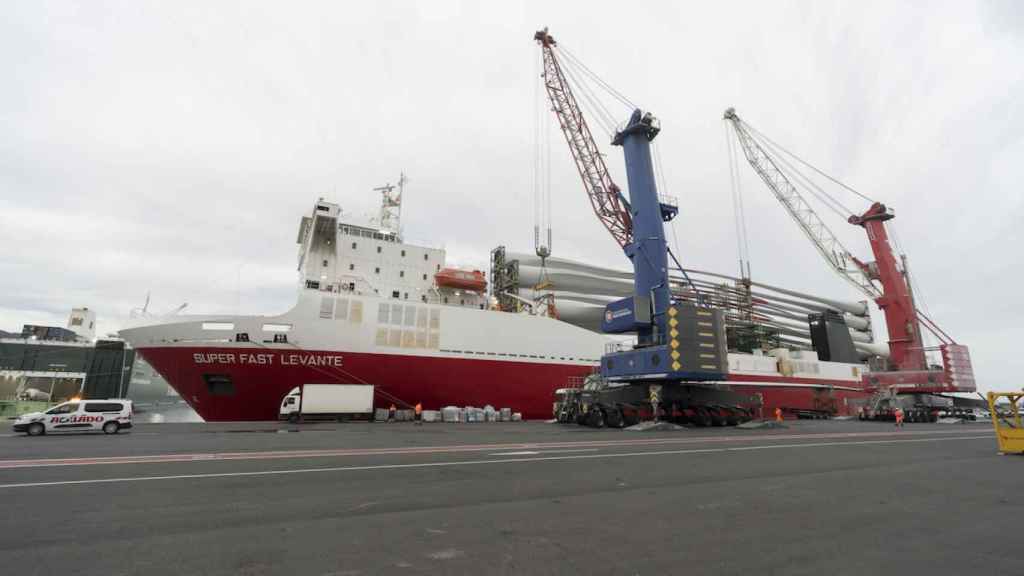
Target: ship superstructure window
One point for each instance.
(326, 306)
(312, 284)
(376, 270)
(325, 263)
(378, 249)
(354, 245)
(424, 276)
(218, 326)
(403, 253)
(394, 294)
(424, 257)
(401, 273)
(351, 266)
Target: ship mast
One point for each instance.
(391, 206)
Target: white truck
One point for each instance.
(328, 402)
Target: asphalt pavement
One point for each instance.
(819, 497)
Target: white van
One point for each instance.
(110, 416)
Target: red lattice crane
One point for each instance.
(605, 196)
(882, 280)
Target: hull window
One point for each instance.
(219, 384)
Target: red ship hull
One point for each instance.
(256, 389)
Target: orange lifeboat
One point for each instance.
(473, 280)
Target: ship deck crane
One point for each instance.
(678, 345)
(885, 280)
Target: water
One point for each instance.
(165, 412)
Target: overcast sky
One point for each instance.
(172, 147)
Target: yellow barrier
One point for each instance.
(1007, 421)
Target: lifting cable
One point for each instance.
(798, 177)
(593, 76)
(594, 107)
(805, 163)
(919, 297)
(541, 166)
(738, 213)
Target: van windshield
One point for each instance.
(64, 408)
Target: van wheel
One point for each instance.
(111, 427)
(36, 429)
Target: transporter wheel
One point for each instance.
(743, 415)
(731, 418)
(595, 418)
(614, 418)
(933, 417)
(716, 417)
(36, 429)
(111, 427)
(701, 418)
(630, 418)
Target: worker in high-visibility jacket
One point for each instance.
(778, 414)
(899, 417)
(419, 413)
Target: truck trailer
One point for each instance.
(328, 402)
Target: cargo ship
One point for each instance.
(373, 309)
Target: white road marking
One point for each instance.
(534, 453)
(480, 462)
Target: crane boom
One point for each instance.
(892, 292)
(837, 256)
(605, 196)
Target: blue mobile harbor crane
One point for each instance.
(680, 345)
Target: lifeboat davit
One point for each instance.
(461, 279)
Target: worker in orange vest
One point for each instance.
(899, 417)
(419, 413)
(778, 414)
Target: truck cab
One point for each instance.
(291, 405)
